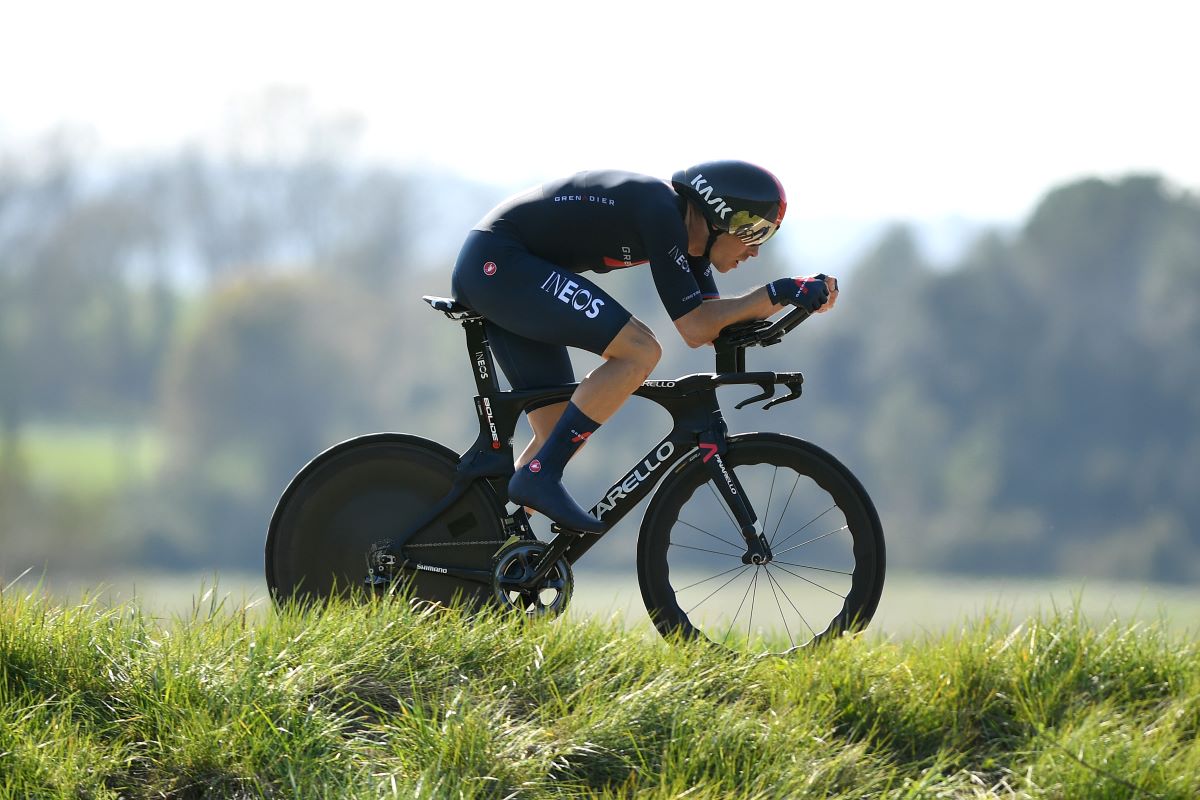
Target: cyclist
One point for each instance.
(520, 268)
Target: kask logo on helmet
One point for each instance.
(706, 193)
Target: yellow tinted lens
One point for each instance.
(751, 228)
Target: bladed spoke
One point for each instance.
(783, 513)
(805, 525)
(810, 566)
(753, 597)
(738, 613)
(770, 493)
(787, 597)
(710, 578)
(814, 583)
(705, 550)
(724, 508)
(706, 533)
(815, 538)
(782, 614)
(714, 591)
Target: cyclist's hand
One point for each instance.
(832, 285)
(815, 294)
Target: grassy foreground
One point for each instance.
(384, 700)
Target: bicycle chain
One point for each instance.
(452, 544)
(515, 531)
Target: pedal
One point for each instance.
(556, 528)
(517, 524)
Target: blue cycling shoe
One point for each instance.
(548, 497)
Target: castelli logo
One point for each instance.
(535, 466)
(489, 268)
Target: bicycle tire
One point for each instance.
(827, 571)
(369, 489)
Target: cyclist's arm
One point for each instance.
(702, 324)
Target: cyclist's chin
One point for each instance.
(728, 266)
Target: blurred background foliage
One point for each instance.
(179, 334)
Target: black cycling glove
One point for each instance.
(808, 293)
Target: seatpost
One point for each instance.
(482, 363)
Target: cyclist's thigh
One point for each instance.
(527, 363)
(534, 298)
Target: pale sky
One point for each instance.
(902, 109)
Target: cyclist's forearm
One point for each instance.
(755, 304)
(701, 325)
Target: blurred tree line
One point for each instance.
(1031, 409)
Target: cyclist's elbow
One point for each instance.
(694, 330)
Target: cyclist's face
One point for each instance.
(728, 251)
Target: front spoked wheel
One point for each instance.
(825, 575)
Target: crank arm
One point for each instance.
(482, 576)
(559, 546)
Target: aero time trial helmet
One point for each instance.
(735, 197)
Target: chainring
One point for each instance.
(514, 564)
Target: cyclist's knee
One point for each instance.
(637, 344)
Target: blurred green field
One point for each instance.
(912, 604)
(99, 460)
(89, 459)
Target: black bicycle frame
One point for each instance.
(698, 431)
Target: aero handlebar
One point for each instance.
(732, 343)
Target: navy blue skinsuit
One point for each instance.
(520, 268)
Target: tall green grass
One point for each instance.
(384, 700)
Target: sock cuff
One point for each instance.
(575, 426)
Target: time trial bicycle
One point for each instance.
(757, 541)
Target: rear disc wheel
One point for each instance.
(372, 489)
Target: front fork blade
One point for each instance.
(758, 550)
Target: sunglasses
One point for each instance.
(752, 229)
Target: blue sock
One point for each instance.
(572, 430)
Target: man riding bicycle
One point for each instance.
(520, 268)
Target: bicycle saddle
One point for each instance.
(450, 307)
